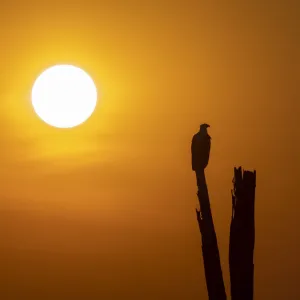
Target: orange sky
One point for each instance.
(107, 210)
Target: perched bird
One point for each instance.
(201, 148)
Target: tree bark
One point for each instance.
(242, 235)
(210, 251)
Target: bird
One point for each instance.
(201, 144)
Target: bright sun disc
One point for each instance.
(64, 96)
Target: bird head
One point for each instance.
(203, 127)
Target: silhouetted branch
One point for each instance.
(242, 235)
(210, 251)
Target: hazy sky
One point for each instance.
(107, 210)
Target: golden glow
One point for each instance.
(64, 96)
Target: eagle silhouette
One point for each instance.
(201, 143)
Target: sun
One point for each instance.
(64, 96)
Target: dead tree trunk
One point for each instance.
(210, 251)
(242, 235)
